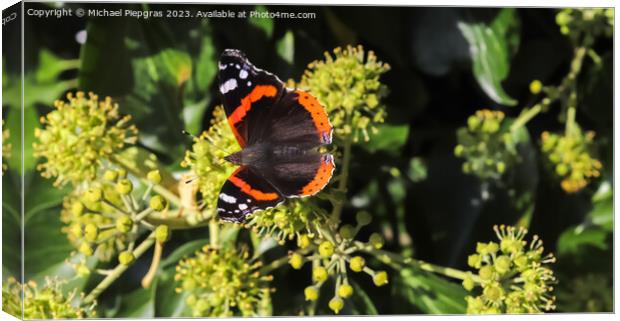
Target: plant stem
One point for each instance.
(150, 275)
(119, 269)
(214, 232)
(567, 83)
(397, 260)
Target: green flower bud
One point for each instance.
(319, 274)
(347, 231)
(110, 175)
(124, 186)
(486, 273)
(93, 195)
(91, 232)
(380, 278)
(502, 264)
(126, 258)
(154, 177)
(336, 304)
(363, 218)
(492, 248)
(458, 150)
(303, 241)
(468, 282)
(124, 224)
(311, 293)
(86, 249)
(326, 249)
(376, 240)
(77, 208)
(474, 260)
(296, 261)
(345, 290)
(162, 233)
(122, 173)
(536, 86)
(357, 264)
(158, 203)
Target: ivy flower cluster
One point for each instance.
(571, 157)
(206, 160)
(223, 282)
(6, 146)
(513, 274)
(349, 87)
(486, 144)
(586, 21)
(333, 255)
(79, 135)
(46, 302)
(106, 218)
(291, 220)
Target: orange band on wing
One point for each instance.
(246, 188)
(246, 104)
(321, 178)
(318, 113)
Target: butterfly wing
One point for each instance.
(300, 122)
(244, 193)
(248, 93)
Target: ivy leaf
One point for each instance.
(390, 138)
(428, 292)
(489, 48)
(265, 24)
(286, 47)
(168, 303)
(138, 304)
(183, 250)
(571, 240)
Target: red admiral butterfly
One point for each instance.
(279, 130)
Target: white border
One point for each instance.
(470, 3)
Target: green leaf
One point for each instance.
(428, 292)
(46, 247)
(389, 138)
(181, 251)
(361, 303)
(489, 47)
(169, 303)
(138, 304)
(11, 226)
(265, 24)
(573, 239)
(286, 47)
(602, 214)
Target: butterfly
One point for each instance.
(280, 131)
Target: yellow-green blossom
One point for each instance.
(293, 218)
(347, 83)
(78, 135)
(513, 275)
(486, 144)
(575, 22)
(222, 282)
(571, 158)
(207, 161)
(46, 302)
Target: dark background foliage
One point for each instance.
(431, 210)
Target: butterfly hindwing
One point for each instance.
(301, 177)
(244, 193)
(248, 93)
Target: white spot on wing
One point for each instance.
(228, 85)
(228, 199)
(221, 66)
(243, 74)
(243, 206)
(249, 83)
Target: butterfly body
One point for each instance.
(280, 131)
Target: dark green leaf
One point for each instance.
(169, 303)
(265, 24)
(138, 304)
(489, 47)
(429, 293)
(286, 47)
(183, 250)
(574, 238)
(389, 138)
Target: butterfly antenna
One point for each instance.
(191, 179)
